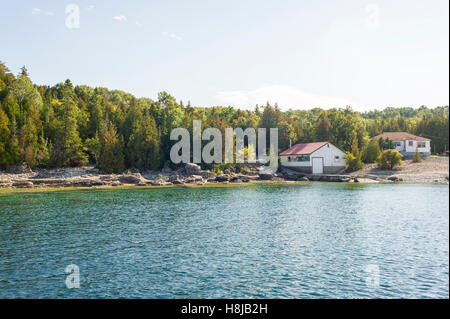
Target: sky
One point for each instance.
(298, 53)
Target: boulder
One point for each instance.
(22, 184)
(266, 176)
(177, 182)
(174, 178)
(131, 179)
(157, 183)
(237, 180)
(303, 179)
(222, 178)
(394, 179)
(192, 169)
(206, 174)
(115, 183)
(22, 168)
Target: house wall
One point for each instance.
(408, 150)
(327, 152)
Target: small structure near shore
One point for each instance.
(407, 143)
(315, 158)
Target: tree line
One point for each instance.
(66, 125)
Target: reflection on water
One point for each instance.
(315, 240)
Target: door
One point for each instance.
(317, 165)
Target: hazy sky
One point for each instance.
(299, 53)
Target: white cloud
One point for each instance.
(172, 36)
(287, 97)
(49, 13)
(120, 18)
(90, 7)
(138, 24)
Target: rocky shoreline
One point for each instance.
(21, 176)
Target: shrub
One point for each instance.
(371, 152)
(389, 159)
(386, 144)
(416, 157)
(353, 162)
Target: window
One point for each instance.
(421, 144)
(302, 158)
(410, 143)
(397, 143)
(336, 158)
(290, 159)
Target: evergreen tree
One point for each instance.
(416, 158)
(67, 147)
(371, 152)
(111, 158)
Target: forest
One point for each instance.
(66, 125)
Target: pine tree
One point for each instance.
(143, 146)
(416, 158)
(67, 148)
(9, 150)
(111, 158)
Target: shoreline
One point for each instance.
(433, 170)
(9, 190)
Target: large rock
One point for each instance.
(206, 174)
(22, 168)
(395, 179)
(266, 176)
(131, 179)
(22, 184)
(192, 169)
(222, 178)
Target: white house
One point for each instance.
(407, 143)
(315, 158)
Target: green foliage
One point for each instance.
(9, 151)
(67, 149)
(371, 152)
(386, 144)
(111, 159)
(353, 162)
(389, 159)
(65, 125)
(220, 168)
(416, 158)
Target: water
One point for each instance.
(316, 240)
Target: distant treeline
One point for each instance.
(65, 125)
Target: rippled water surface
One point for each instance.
(317, 240)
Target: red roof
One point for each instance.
(303, 149)
(400, 136)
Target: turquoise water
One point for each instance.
(315, 240)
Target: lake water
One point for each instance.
(313, 240)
